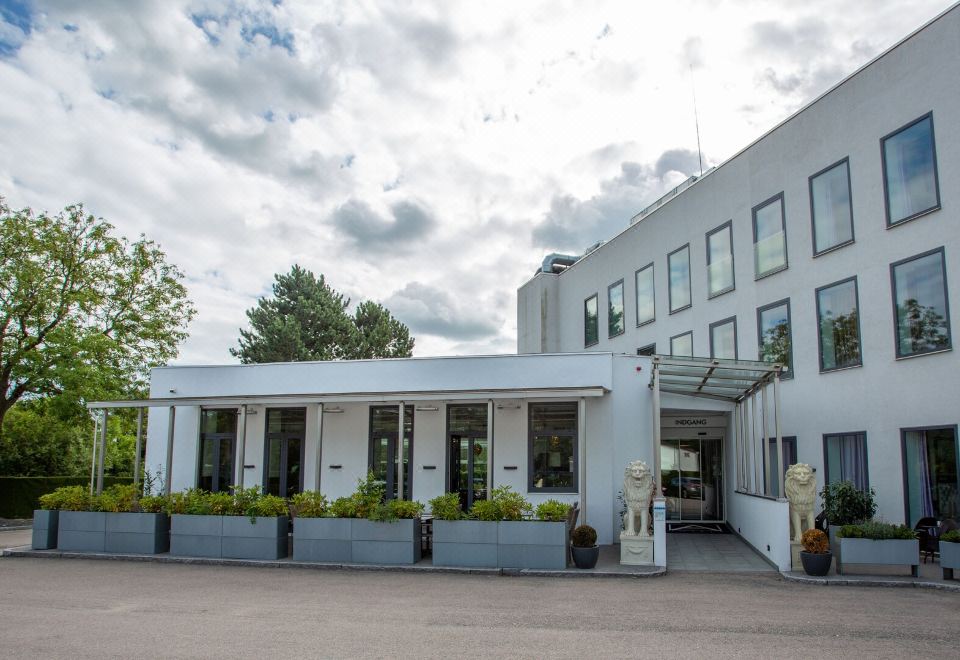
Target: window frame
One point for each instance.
(760, 310)
(903, 457)
(736, 339)
(883, 172)
(856, 296)
(586, 300)
(217, 437)
(866, 456)
(813, 220)
(682, 334)
(685, 246)
(652, 347)
(653, 281)
(575, 488)
(623, 304)
(783, 224)
(946, 304)
(284, 447)
(733, 264)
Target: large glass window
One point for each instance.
(682, 345)
(932, 483)
(789, 444)
(845, 458)
(910, 171)
(553, 447)
(678, 263)
(830, 207)
(467, 453)
(769, 237)
(838, 319)
(723, 339)
(387, 450)
(774, 336)
(615, 325)
(591, 322)
(218, 441)
(720, 260)
(646, 307)
(921, 312)
(284, 449)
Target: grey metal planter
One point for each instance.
(949, 558)
(137, 533)
(532, 544)
(471, 543)
(82, 531)
(887, 551)
(45, 529)
(395, 542)
(233, 537)
(322, 540)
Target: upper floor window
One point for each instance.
(591, 322)
(646, 309)
(910, 171)
(774, 336)
(678, 263)
(553, 447)
(769, 237)
(649, 349)
(682, 345)
(720, 260)
(615, 324)
(723, 339)
(921, 311)
(838, 317)
(830, 208)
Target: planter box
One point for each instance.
(385, 542)
(470, 543)
(322, 539)
(888, 551)
(532, 544)
(82, 531)
(137, 533)
(949, 558)
(45, 529)
(229, 537)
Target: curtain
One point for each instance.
(853, 460)
(926, 487)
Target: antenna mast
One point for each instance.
(696, 118)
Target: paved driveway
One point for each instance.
(89, 608)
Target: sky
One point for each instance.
(424, 155)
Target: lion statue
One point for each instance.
(800, 486)
(637, 493)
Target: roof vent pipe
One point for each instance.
(557, 263)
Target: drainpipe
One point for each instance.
(171, 420)
(136, 458)
(103, 450)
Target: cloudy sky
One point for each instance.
(423, 155)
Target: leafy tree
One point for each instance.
(83, 314)
(776, 345)
(306, 319)
(922, 327)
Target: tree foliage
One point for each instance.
(306, 319)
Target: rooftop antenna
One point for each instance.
(696, 118)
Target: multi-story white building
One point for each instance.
(828, 245)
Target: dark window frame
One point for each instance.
(813, 220)
(686, 247)
(472, 435)
(266, 447)
(783, 224)
(652, 348)
(736, 338)
(623, 302)
(760, 310)
(866, 455)
(575, 488)
(883, 171)
(856, 296)
(408, 474)
(903, 457)
(586, 300)
(788, 440)
(653, 279)
(946, 304)
(733, 263)
(219, 437)
(688, 332)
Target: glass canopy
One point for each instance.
(727, 380)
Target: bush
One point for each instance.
(510, 505)
(309, 504)
(220, 504)
(815, 541)
(342, 507)
(446, 507)
(584, 536)
(553, 511)
(485, 510)
(404, 509)
(877, 531)
(845, 504)
(153, 503)
(67, 498)
(953, 536)
(120, 498)
(268, 506)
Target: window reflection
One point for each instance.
(910, 171)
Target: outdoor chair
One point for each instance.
(927, 534)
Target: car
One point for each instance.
(689, 486)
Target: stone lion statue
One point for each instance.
(637, 493)
(800, 486)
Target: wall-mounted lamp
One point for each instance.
(335, 467)
(173, 390)
(427, 409)
(509, 467)
(334, 410)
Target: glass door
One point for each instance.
(932, 473)
(218, 441)
(467, 453)
(384, 457)
(284, 449)
(691, 477)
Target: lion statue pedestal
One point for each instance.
(636, 542)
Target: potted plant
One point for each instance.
(461, 541)
(845, 504)
(879, 543)
(522, 542)
(583, 542)
(950, 553)
(815, 556)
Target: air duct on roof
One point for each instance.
(557, 263)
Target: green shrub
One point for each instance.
(510, 505)
(845, 504)
(153, 503)
(267, 506)
(584, 536)
(553, 511)
(342, 507)
(67, 498)
(877, 531)
(309, 504)
(120, 498)
(404, 509)
(953, 536)
(446, 507)
(220, 504)
(485, 510)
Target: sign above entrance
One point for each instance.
(693, 421)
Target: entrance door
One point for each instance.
(467, 453)
(218, 442)
(284, 447)
(691, 472)
(384, 455)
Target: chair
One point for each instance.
(927, 533)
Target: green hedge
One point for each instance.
(19, 496)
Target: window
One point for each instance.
(646, 309)
(218, 441)
(910, 171)
(830, 208)
(838, 319)
(769, 237)
(931, 484)
(649, 349)
(678, 263)
(774, 336)
(682, 345)
(387, 450)
(467, 454)
(723, 339)
(615, 325)
(553, 447)
(845, 458)
(283, 451)
(591, 322)
(920, 310)
(789, 458)
(720, 260)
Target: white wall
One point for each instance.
(764, 523)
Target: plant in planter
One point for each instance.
(815, 556)
(878, 543)
(950, 553)
(552, 511)
(459, 541)
(845, 504)
(584, 547)
(529, 543)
